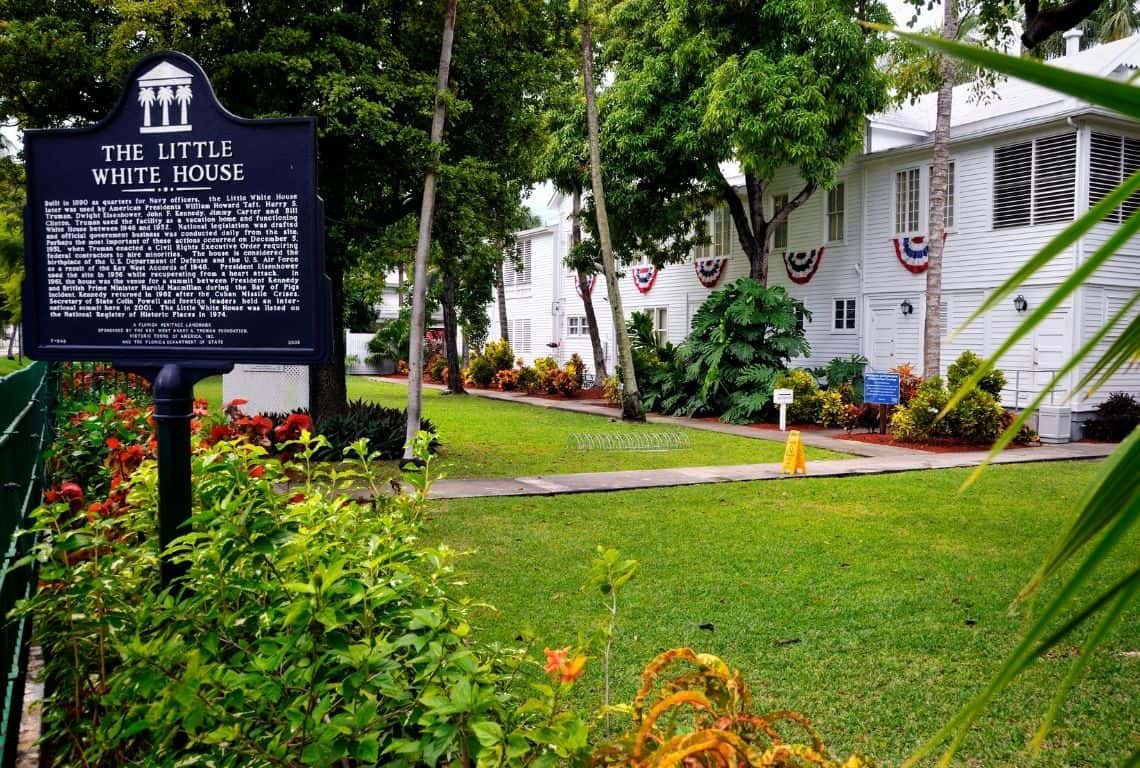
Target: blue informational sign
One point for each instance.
(881, 388)
(175, 231)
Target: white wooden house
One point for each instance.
(1025, 163)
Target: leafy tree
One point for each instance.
(768, 85)
(11, 245)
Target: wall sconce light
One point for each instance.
(906, 307)
(1020, 304)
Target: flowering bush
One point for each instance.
(909, 382)
(507, 380)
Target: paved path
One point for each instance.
(871, 459)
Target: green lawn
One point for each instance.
(875, 605)
(7, 366)
(492, 438)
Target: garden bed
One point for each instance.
(937, 445)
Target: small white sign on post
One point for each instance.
(783, 398)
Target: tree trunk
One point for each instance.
(932, 324)
(423, 243)
(450, 333)
(502, 290)
(584, 290)
(328, 395)
(752, 229)
(631, 407)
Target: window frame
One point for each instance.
(915, 194)
(576, 325)
(828, 213)
(781, 230)
(850, 308)
(515, 333)
(512, 276)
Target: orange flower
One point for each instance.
(573, 669)
(555, 660)
(558, 663)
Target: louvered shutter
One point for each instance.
(1054, 178)
(1013, 184)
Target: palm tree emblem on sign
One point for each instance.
(166, 85)
(146, 100)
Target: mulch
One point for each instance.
(938, 445)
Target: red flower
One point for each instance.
(257, 471)
(292, 427)
(236, 402)
(113, 443)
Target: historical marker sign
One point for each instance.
(881, 388)
(175, 231)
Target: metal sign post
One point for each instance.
(175, 239)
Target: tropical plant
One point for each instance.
(968, 362)
(383, 427)
(392, 340)
(844, 370)
(1111, 506)
(1115, 418)
(743, 337)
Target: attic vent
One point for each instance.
(1035, 181)
(1112, 159)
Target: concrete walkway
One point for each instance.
(871, 459)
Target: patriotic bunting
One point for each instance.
(802, 265)
(578, 286)
(709, 271)
(644, 277)
(916, 260)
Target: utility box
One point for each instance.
(1055, 423)
(267, 388)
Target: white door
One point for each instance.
(1049, 348)
(882, 347)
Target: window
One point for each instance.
(721, 233)
(801, 317)
(907, 200)
(1112, 159)
(949, 192)
(659, 316)
(836, 203)
(1035, 181)
(844, 315)
(518, 331)
(576, 326)
(779, 232)
(516, 268)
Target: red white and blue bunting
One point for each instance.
(592, 282)
(915, 259)
(709, 271)
(644, 277)
(801, 266)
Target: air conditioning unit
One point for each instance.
(1054, 423)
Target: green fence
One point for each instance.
(26, 400)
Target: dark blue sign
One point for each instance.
(175, 231)
(881, 388)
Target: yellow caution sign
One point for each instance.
(794, 455)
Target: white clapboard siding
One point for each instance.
(1099, 305)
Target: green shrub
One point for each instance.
(436, 369)
(743, 337)
(845, 374)
(481, 371)
(1115, 418)
(921, 421)
(576, 368)
(528, 379)
(317, 630)
(544, 369)
(964, 367)
(385, 428)
(832, 409)
(805, 406)
(977, 418)
(499, 355)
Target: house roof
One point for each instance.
(1012, 100)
